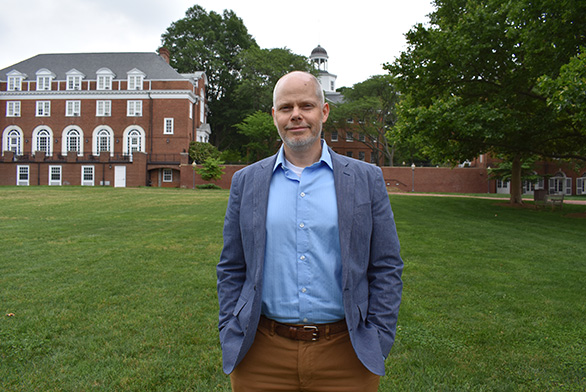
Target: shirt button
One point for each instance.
(302, 258)
(302, 225)
(302, 194)
(305, 320)
(303, 290)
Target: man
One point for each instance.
(309, 279)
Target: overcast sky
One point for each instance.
(359, 36)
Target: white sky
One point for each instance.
(359, 37)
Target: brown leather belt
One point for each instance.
(303, 332)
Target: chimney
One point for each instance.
(165, 54)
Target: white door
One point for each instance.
(119, 176)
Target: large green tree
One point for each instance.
(261, 133)
(211, 42)
(469, 80)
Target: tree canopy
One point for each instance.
(261, 133)
(469, 81)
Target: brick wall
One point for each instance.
(398, 179)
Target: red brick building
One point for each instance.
(113, 119)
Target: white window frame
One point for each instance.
(57, 170)
(13, 109)
(12, 140)
(167, 175)
(105, 77)
(43, 109)
(72, 108)
(44, 79)
(104, 82)
(103, 136)
(169, 127)
(42, 134)
(133, 140)
(44, 83)
(581, 185)
(134, 109)
(135, 80)
(74, 80)
(334, 136)
(103, 108)
(349, 137)
(70, 134)
(104, 141)
(20, 170)
(15, 79)
(88, 175)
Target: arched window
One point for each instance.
(13, 141)
(42, 140)
(103, 142)
(134, 140)
(73, 140)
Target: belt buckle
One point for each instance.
(315, 332)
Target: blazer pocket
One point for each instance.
(242, 312)
(363, 310)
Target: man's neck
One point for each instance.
(303, 158)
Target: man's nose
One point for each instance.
(295, 113)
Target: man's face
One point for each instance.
(298, 113)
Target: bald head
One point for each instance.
(302, 76)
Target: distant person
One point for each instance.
(309, 279)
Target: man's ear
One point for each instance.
(274, 119)
(326, 112)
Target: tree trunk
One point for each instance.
(516, 185)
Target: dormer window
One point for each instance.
(135, 79)
(105, 78)
(15, 79)
(74, 78)
(44, 79)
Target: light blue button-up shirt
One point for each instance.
(303, 267)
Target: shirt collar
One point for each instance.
(325, 157)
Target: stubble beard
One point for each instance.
(301, 144)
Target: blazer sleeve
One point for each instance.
(385, 267)
(231, 269)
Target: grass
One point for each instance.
(114, 290)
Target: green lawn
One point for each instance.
(114, 290)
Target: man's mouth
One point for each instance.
(297, 128)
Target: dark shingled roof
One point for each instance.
(151, 64)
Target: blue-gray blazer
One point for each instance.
(371, 263)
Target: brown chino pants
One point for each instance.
(275, 363)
